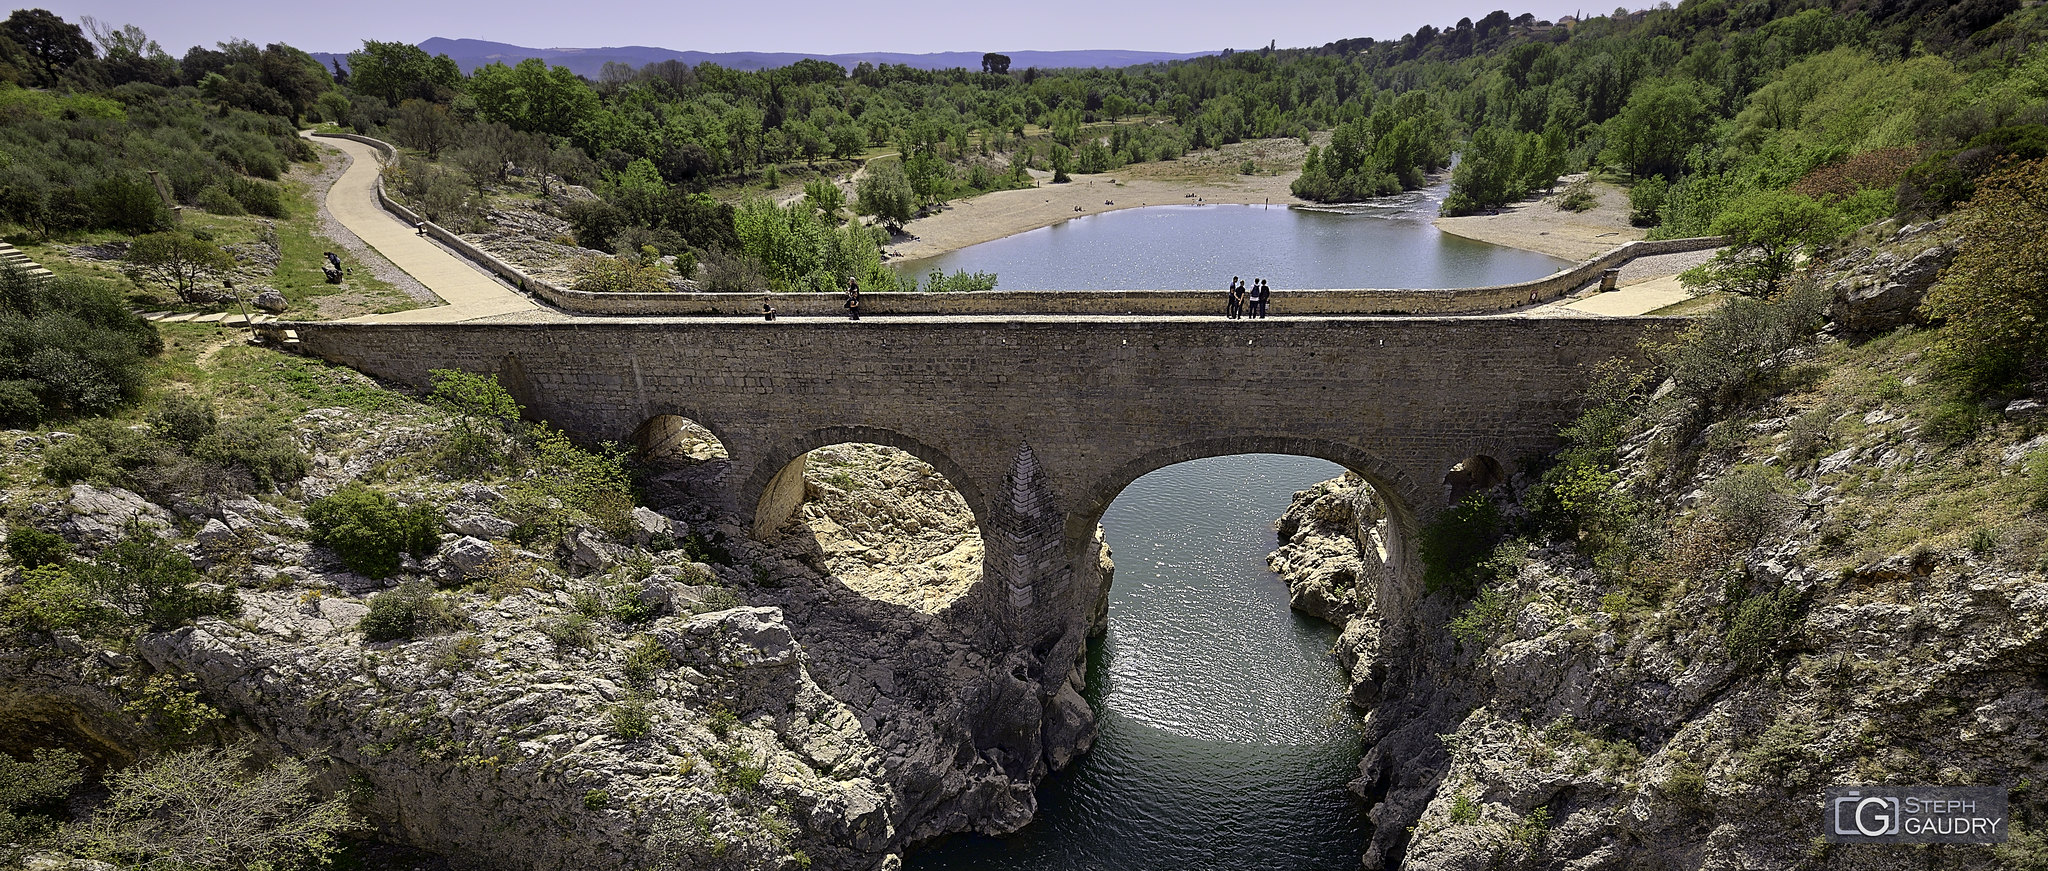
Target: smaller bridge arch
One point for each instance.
(777, 481)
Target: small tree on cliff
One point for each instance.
(1768, 232)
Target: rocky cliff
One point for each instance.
(1839, 576)
(675, 695)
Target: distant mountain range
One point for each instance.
(473, 53)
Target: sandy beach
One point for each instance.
(1539, 225)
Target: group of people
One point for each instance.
(1247, 302)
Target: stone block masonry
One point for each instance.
(1069, 409)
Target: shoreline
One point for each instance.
(1535, 224)
(1001, 214)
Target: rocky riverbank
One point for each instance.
(1836, 580)
(670, 695)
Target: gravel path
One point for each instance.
(331, 169)
(1660, 265)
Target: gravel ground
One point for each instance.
(1660, 265)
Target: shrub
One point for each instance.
(175, 714)
(571, 631)
(78, 459)
(646, 661)
(1782, 756)
(1453, 546)
(259, 198)
(1954, 421)
(259, 448)
(211, 808)
(482, 407)
(184, 419)
(1989, 298)
(1749, 501)
(1646, 201)
(32, 548)
(631, 720)
(215, 198)
(146, 579)
(1761, 624)
(2037, 481)
(1482, 619)
(68, 346)
(31, 794)
(597, 800)
(368, 530)
(1579, 197)
(598, 273)
(51, 599)
(409, 611)
(20, 407)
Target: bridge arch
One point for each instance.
(676, 435)
(1408, 502)
(776, 485)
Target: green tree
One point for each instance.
(395, 72)
(1660, 123)
(533, 97)
(1991, 299)
(54, 45)
(425, 126)
(150, 582)
(177, 260)
(1767, 232)
(885, 193)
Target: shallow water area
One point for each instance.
(1225, 740)
(1386, 243)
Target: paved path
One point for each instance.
(1646, 285)
(469, 291)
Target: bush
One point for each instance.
(215, 198)
(631, 720)
(1989, 299)
(369, 531)
(1454, 545)
(1750, 501)
(32, 791)
(32, 548)
(646, 661)
(2037, 481)
(51, 599)
(409, 611)
(575, 631)
(184, 419)
(258, 448)
(1761, 624)
(1486, 616)
(1579, 197)
(148, 580)
(600, 274)
(68, 346)
(1646, 201)
(211, 808)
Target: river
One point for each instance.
(1225, 741)
(1388, 243)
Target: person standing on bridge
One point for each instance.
(1235, 306)
(1260, 296)
(853, 298)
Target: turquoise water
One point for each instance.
(1225, 742)
(1388, 243)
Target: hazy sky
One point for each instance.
(820, 26)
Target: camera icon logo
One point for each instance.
(1872, 816)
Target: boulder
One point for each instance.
(103, 516)
(1889, 295)
(461, 559)
(270, 301)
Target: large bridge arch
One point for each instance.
(775, 488)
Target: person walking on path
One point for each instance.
(1237, 299)
(853, 299)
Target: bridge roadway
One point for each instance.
(1038, 421)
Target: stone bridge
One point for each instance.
(1040, 422)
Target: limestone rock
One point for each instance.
(271, 301)
(103, 516)
(1877, 293)
(462, 559)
